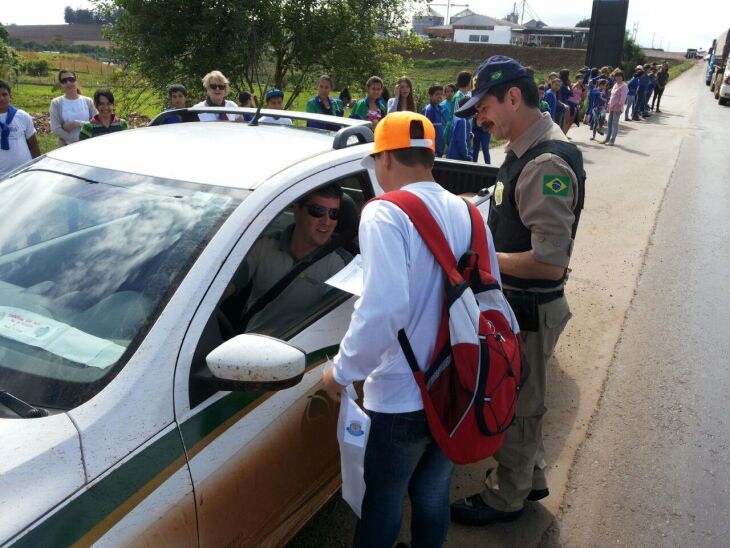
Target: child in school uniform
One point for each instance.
(460, 142)
(649, 91)
(633, 86)
(551, 99)
(436, 114)
(275, 101)
(447, 109)
(544, 107)
(599, 99)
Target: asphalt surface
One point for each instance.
(626, 188)
(655, 469)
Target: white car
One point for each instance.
(132, 410)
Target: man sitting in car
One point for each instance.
(287, 270)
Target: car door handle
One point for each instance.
(320, 405)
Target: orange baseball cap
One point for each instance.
(394, 132)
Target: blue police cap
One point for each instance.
(496, 70)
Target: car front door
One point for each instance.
(263, 462)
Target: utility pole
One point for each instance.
(653, 34)
(522, 17)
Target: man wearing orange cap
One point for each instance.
(403, 288)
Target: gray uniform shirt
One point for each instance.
(268, 262)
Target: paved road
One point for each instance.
(625, 189)
(656, 468)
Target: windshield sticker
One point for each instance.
(58, 338)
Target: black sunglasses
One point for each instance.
(318, 211)
(68, 79)
(217, 86)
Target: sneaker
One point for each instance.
(611, 143)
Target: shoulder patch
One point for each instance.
(555, 185)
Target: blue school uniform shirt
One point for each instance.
(598, 99)
(550, 99)
(459, 146)
(644, 82)
(436, 114)
(633, 85)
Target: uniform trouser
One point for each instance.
(481, 141)
(658, 92)
(629, 105)
(521, 459)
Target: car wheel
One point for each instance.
(721, 101)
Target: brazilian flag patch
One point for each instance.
(555, 185)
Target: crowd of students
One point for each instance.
(604, 93)
(606, 96)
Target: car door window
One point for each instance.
(276, 293)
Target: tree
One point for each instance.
(69, 15)
(631, 56)
(584, 23)
(286, 43)
(87, 17)
(9, 60)
(4, 36)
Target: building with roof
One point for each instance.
(475, 29)
(540, 34)
(422, 21)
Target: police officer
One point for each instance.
(533, 217)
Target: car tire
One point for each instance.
(722, 102)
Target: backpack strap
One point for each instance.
(435, 240)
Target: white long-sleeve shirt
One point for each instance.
(403, 287)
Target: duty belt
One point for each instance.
(542, 298)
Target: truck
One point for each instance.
(722, 48)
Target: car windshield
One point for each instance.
(88, 259)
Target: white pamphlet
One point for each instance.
(349, 279)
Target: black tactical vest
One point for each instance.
(510, 235)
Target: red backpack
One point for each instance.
(470, 389)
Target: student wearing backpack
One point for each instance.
(401, 455)
(533, 217)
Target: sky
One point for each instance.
(669, 27)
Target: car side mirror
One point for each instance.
(255, 362)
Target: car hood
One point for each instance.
(40, 466)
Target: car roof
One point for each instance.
(216, 153)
